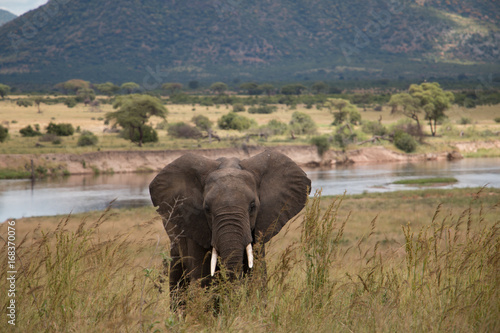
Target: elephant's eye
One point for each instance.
(251, 208)
(207, 209)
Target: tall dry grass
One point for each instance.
(443, 276)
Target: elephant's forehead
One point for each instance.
(231, 178)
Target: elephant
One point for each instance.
(219, 209)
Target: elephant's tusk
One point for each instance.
(213, 262)
(250, 255)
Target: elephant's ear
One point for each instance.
(178, 192)
(283, 190)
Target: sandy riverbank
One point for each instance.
(147, 161)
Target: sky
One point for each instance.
(20, 7)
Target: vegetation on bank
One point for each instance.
(427, 181)
(344, 264)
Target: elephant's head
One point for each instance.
(227, 205)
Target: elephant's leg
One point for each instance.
(198, 262)
(177, 272)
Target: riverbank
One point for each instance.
(102, 162)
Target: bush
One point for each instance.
(183, 130)
(302, 123)
(322, 143)
(238, 107)
(405, 142)
(374, 127)
(87, 138)
(202, 122)
(28, 131)
(465, 121)
(262, 109)
(276, 127)
(235, 122)
(497, 120)
(70, 102)
(60, 129)
(48, 138)
(4, 132)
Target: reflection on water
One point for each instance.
(21, 198)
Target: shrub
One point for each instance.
(302, 123)
(235, 122)
(238, 107)
(48, 138)
(202, 122)
(374, 127)
(70, 102)
(183, 130)
(322, 143)
(4, 132)
(262, 109)
(497, 120)
(276, 127)
(87, 138)
(28, 131)
(405, 142)
(60, 129)
(465, 121)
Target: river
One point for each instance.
(22, 198)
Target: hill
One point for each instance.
(155, 41)
(6, 16)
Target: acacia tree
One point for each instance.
(4, 90)
(172, 87)
(107, 88)
(134, 112)
(427, 98)
(218, 87)
(130, 87)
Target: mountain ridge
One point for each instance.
(6, 16)
(101, 40)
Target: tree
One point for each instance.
(251, 88)
(4, 133)
(346, 112)
(293, 89)
(107, 88)
(427, 98)
(433, 100)
(38, 100)
(267, 88)
(218, 87)
(134, 112)
(4, 90)
(172, 88)
(130, 87)
(193, 84)
(320, 87)
(235, 121)
(72, 86)
(85, 95)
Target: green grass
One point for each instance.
(14, 174)
(344, 265)
(426, 181)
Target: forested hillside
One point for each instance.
(120, 40)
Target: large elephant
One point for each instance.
(221, 207)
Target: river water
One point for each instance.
(22, 198)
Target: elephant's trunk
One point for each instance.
(231, 239)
